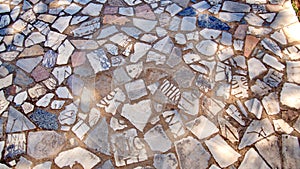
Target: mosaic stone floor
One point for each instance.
(148, 84)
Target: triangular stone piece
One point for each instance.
(17, 121)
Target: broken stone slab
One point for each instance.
(44, 119)
(65, 50)
(45, 144)
(87, 28)
(136, 89)
(211, 22)
(254, 106)
(98, 60)
(293, 69)
(290, 152)
(80, 129)
(191, 154)
(257, 130)
(248, 161)
(290, 96)
(165, 161)
(271, 103)
(157, 139)
(281, 126)
(143, 24)
(202, 127)
(62, 23)
(17, 122)
(217, 146)
(232, 6)
(269, 150)
(80, 155)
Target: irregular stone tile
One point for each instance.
(257, 130)
(87, 28)
(117, 124)
(217, 146)
(211, 22)
(271, 104)
(82, 156)
(120, 76)
(281, 126)
(240, 32)
(98, 60)
(128, 148)
(136, 89)
(225, 53)
(289, 95)
(133, 2)
(61, 73)
(132, 31)
(284, 18)
(174, 24)
(62, 23)
(173, 9)
(44, 119)
(36, 91)
(271, 46)
(239, 86)
(138, 114)
(145, 11)
(112, 101)
(250, 44)
(40, 74)
(40, 8)
(256, 68)
(157, 139)
(45, 144)
(78, 19)
(253, 19)
(140, 49)
(269, 150)
(251, 159)
(202, 127)
(134, 70)
(65, 50)
(254, 106)
(78, 58)
(68, 116)
(34, 38)
(293, 67)
(279, 37)
(49, 59)
(45, 165)
(63, 92)
(85, 44)
(113, 19)
(273, 62)
(189, 11)
(273, 78)
(4, 21)
(235, 113)
(259, 32)
(143, 24)
(165, 45)
(17, 122)
(6, 81)
(165, 161)
(15, 145)
(3, 102)
(4, 8)
(80, 129)
(127, 11)
(210, 33)
(201, 6)
(82, 2)
(9, 56)
(72, 9)
(106, 165)
(45, 100)
(35, 50)
(207, 47)
(226, 38)
(57, 104)
(290, 151)
(92, 9)
(172, 118)
(228, 130)
(28, 64)
(232, 6)
(191, 153)
(158, 58)
(19, 40)
(23, 164)
(183, 3)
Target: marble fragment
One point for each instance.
(17, 121)
(158, 139)
(62, 23)
(165, 161)
(211, 22)
(248, 163)
(92, 9)
(289, 95)
(202, 127)
(232, 6)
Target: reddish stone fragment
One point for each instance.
(250, 43)
(40, 73)
(144, 11)
(111, 10)
(78, 58)
(240, 32)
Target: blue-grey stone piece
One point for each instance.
(49, 59)
(189, 11)
(22, 79)
(75, 84)
(44, 119)
(211, 22)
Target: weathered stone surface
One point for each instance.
(289, 95)
(44, 119)
(45, 144)
(157, 139)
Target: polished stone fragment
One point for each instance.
(65, 50)
(253, 19)
(87, 28)
(140, 49)
(290, 96)
(290, 151)
(40, 74)
(15, 145)
(228, 130)
(61, 73)
(271, 46)
(4, 8)
(29, 64)
(4, 21)
(173, 9)
(218, 146)
(257, 130)
(189, 11)
(207, 47)
(112, 101)
(20, 98)
(284, 18)
(136, 89)
(34, 38)
(128, 148)
(211, 22)
(98, 60)
(92, 9)
(23, 164)
(80, 129)
(279, 37)
(293, 69)
(80, 155)
(191, 154)
(232, 6)
(254, 106)
(172, 118)
(239, 86)
(138, 114)
(273, 62)
(236, 114)
(255, 68)
(3, 102)
(68, 116)
(63, 92)
(201, 6)
(72, 9)
(281, 126)
(250, 44)
(271, 104)
(248, 161)
(44, 119)
(174, 24)
(157, 139)
(165, 45)
(49, 59)
(45, 144)
(188, 23)
(35, 50)
(143, 24)
(17, 121)
(168, 161)
(62, 23)
(202, 127)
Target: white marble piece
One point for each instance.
(18, 25)
(72, 9)
(191, 153)
(172, 118)
(23, 164)
(290, 96)
(273, 62)
(207, 47)
(253, 19)
(290, 151)
(271, 46)
(98, 60)
(78, 19)
(112, 101)
(228, 130)
(18, 122)
(79, 155)
(231, 17)
(68, 115)
(279, 37)
(57, 104)
(62, 23)
(254, 106)
(226, 38)
(235, 113)
(271, 103)
(138, 114)
(60, 73)
(180, 39)
(225, 53)
(165, 161)
(158, 58)
(37, 91)
(202, 127)
(284, 17)
(143, 24)
(45, 165)
(3, 102)
(140, 49)
(173, 9)
(34, 38)
(248, 161)
(165, 45)
(54, 39)
(134, 70)
(105, 32)
(27, 107)
(63, 92)
(255, 68)
(188, 23)
(268, 16)
(175, 22)
(293, 69)
(126, 11)
(260, 32)
(217, 146)
(269, 150)
(4, 8)
(281, 126)
(45, 100)
(232, 6)
(189, 103)
(257, 130)
(117, 124)
(210, 33)
(80, 129)
(92, 9)
(291, 32)
(65, 50)
(136, 89)
(20, 98)
(87, 28)
(158, 139)
(201, 6)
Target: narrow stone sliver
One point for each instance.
(142, 84)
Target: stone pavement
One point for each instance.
(148, 84)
